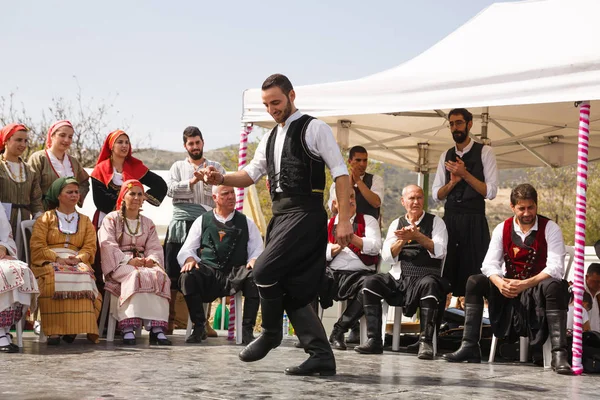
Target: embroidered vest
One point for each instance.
(415, 259)
(524, 260)
(224, 246)
(463, 199)
(359, 230)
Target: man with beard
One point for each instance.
(290, 269)
(465, 177)
(528, 295)
(191, 198)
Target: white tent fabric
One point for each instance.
(524, 64)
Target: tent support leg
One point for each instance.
(425, 186)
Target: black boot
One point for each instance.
(10, 348)
(354, 336)
(196, 309)
(349, 318)
(154, 339)
(469, 350)
(374, 344)
(249, 318)
(337, 339)
(414, 348)
(428, 321)
(311, 333)
(272, 334)
(557, 327)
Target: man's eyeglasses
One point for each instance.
(457, 124)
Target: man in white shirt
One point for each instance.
(216, 261)
(368, 188)
(348, 267)
(191, 198)
(528, 297)
(592, 286)
(466, 175)
(288, 273)
(415, 245)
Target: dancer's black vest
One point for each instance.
(302, 174)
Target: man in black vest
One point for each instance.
(368, 188)
(216, 260)
(289, 271)
(465, 177)
(415, 245)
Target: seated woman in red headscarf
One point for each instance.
(54, 161)
(133, 266)
(116, 165)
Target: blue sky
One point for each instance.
(167, 65)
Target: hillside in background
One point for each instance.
(163, 159)
(395, 179)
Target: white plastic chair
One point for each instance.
(26, 231)
(524, 341)
(107, 312)
(238, 318)
(363, 321)
(19, 326)
(27, 227)
(398, 322)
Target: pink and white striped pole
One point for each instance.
(580, 222)
(239, 206)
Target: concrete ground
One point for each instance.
(212, 370)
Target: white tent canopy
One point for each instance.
(520, 66)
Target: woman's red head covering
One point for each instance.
(132, 167)
(54, 128)
(8, 131)
(125, 188)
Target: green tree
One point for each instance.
(556, 198)
(90, 119)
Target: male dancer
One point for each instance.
(292, 265)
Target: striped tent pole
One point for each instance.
(580, 222)
(239, 206)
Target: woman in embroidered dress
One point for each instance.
(18, 287)
(20, 192)
(53, 162)
(133, 267)
(114, 166)
(63, 245)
